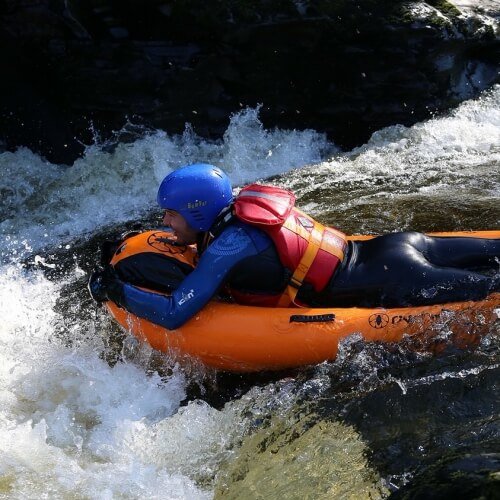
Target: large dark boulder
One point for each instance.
(344, 67)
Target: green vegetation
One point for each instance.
(446, 8)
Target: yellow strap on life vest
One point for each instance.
(313, 246)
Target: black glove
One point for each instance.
(106, 285)
(107, 250)
(109, 247)
(128, 234)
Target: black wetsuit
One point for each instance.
(398, 269)
(410, 268)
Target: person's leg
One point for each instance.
(437, 285)
(460, 252)
(392, 270)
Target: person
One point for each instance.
(262, 250)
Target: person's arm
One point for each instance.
(171, 312)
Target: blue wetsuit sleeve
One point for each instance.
(233, 245)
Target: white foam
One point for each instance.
(71, 424)
(65, 413)
(46, 203)
(446, 156)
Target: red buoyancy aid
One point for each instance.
(307, 248)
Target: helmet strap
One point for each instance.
(204, 239)
(225, 217)
(222, 220)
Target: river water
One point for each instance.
(87, 413)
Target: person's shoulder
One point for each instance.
(239, 237)
(253, 232)
(258, 236)
(232, 240)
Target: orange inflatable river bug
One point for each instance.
(235, 338)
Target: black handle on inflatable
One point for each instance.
(314, 318)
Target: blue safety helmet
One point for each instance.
(198, 192)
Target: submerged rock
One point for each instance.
(301, 459)
(341, 67)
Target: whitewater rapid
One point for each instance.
(74, 424)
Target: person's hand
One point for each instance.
(106, 251)
(108, 247)
(104, 285)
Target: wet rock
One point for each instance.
(345, 68)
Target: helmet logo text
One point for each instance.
(196, 204)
